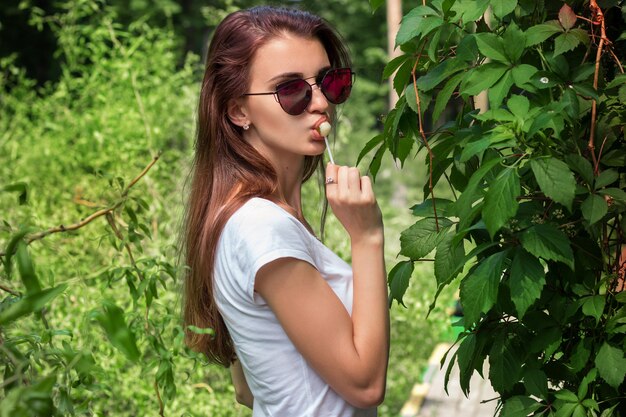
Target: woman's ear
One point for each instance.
(237, 113)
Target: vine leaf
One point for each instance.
(30, 303)
(555, 179)
(526, 281)
(503, 7)
(539, 33)
(569, 40)
(567, 17)
(111, 318)
(547, 242)
(492, 47)
(398, 280)
(479, 290)
(594, 306)
(594, 208)
(448, 258)
(505, 363)
(420, 239)
(519, 406)
(611, 364)
(419, 21)
(501, 200)
(536, 383)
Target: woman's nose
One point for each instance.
(318, 100)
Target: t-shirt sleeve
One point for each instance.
(266, 233)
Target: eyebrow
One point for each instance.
(286, 75)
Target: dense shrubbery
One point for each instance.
(534, 226)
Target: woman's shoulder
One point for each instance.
(260, 215)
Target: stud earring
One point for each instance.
(246, 126)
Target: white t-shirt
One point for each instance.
(282, 382)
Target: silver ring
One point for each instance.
(330, 180)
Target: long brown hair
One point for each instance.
(227, 171)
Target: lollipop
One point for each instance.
(324, 129)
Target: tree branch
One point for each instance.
(63, 228)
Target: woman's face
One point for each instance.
(282, 138)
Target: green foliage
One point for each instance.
(537, 178)
(89, 311)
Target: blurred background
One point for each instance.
(90, 92)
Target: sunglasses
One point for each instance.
(295, 95)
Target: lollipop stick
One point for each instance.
(330, 154)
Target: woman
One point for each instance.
(310, 332)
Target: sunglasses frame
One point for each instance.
(276, 92)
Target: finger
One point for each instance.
(331, 174)
(342, 182)
(354, 179)
(367, 189)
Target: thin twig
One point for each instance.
(9, 290)
(598, 18)
(161, 405)
(63, 228)
(423, 135)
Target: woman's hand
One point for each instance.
(352, 199)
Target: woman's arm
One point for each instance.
(243, 395)
(349, 352)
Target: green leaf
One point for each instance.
(29, 304)
(436, 75)
(536, 383)
(519, 406)
(111, 318)
(514, 39)
(505, 363)
(523, 74)
(614, 193)
(611, 364)
(499, 90)
(503, 7)
(464, 203)
(594, 208)
(567, 17)
(448, 258)
(526, 281)
(479, 289)
(393, 65)
(548, 242)
(376, 161)
(415, 22)
(491, 46)
(420, 239)
(443, 97)
(369, 146)
(555, 179)
(482, 77)
(581, 166)
(375, 4)
(566, 395)
(398, 279)
(614, 158)
(501, 200)
(26, 269)
(425, 208)
(539, 33)
(466, 356)
(470, 10)
(200, 330)
(594, 306)
(605, 178)
(11, 250)
(618, 81)
(19, 187)
(519, 106)
(565, 42)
